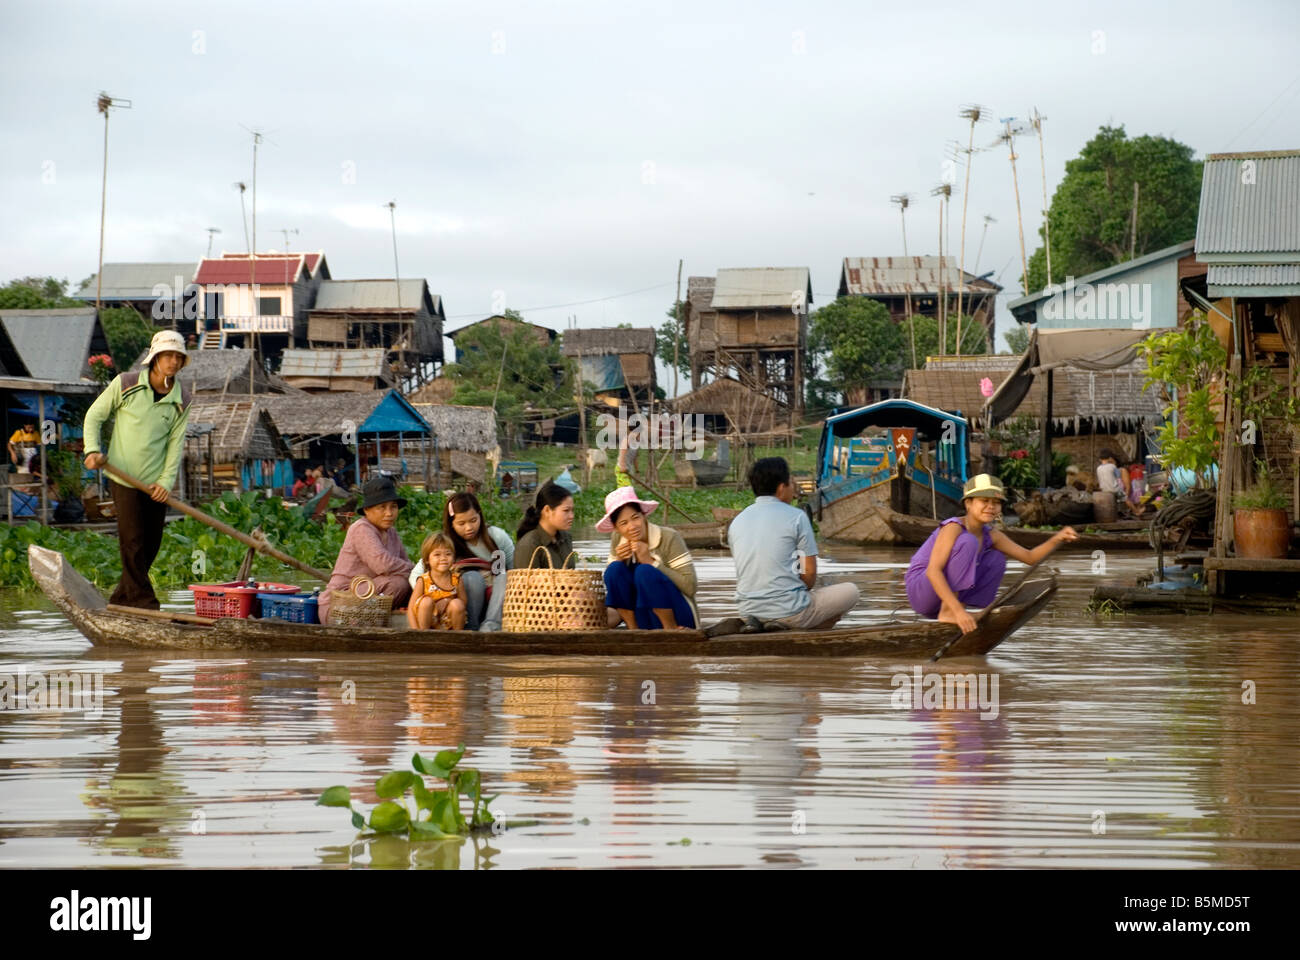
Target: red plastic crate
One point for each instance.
(234, 599)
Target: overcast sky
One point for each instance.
(569, 152)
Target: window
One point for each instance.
(268, 306)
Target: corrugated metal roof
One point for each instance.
(1253, 275)
(751, 287)
(1177, 251)
(865, 276)
(370, 295)
(332, 363)
(1248, 211)
(53, 344)
(136, 281)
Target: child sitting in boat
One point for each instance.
(962, 563)
(438, 602)
(483, 554)
(776, 559)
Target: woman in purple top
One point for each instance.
(373, 549)
(962, 563)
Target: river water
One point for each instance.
(1134, 741)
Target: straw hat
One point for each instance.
(619, 498)
(165, 341)
(984, 485)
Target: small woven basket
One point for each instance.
(358, 606)
(543, 599)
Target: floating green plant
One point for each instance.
(437, 813)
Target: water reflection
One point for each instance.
(1181, 731)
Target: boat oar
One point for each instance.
(261, 546)
(998, 601)
(641, 483)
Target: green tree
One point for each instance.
(973, 338)
(1091, 210)
(664, 343)
(127, 333)
(1018, 338)
(531, 376)
(856, 341)
(36, 293)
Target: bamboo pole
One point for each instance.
(160, 614)
(260, 545)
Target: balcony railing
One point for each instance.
(264, 324)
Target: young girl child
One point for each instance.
(476, 547)
(962, 563)
(439, 599)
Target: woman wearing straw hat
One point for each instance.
(148, 440)
(650, 580)
(962, 563)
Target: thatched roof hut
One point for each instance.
(734, 407)
(473, 429)
(375, 412)
(1083, 401)
(224, 373)
(464, 435)
(222, 437)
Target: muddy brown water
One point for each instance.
(1121, 742)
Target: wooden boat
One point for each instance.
(88, 611)
(914, 463)
(914, 531)
(703, 536)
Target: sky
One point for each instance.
(560, 158)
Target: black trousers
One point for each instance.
(140, 522)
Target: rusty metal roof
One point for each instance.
(895, 276)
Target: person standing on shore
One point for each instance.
(151, 409)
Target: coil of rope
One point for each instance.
(1192, 508)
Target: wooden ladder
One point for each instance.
(212, 340)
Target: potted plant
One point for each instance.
(1260, 528)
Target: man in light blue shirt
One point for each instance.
(776, 559)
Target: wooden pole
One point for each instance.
(641, 483)
(260, 545)
(45, 480)
(1015, 182)
(1133, 229)
(1045, 437)
(677, 326)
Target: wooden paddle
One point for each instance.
(997, 601)
(261, 546)
(641, 483)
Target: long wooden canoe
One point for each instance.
(88, 611)
(913, 531)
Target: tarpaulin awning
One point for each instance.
(1087, 349)
(394, 415)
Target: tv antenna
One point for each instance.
(104, 103)
(988, 218)
(944, 192)
(974, 113)
(212, 232)
(903, 199)
(286, 232)
(1012, 128)
(1037, 123)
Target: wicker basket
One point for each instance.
(545, 599)
(358, 606)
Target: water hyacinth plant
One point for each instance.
(436, 813)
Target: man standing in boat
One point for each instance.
(151, 409)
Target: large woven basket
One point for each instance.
(546, 599)
(358, 606)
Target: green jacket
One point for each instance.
(148, 437)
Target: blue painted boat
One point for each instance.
(895, 455)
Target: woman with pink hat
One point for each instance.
(650, 580)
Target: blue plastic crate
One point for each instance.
(295, 608)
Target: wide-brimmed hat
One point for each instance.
(164, 341)
(619, 498)
(380, 490)
(984, 485)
